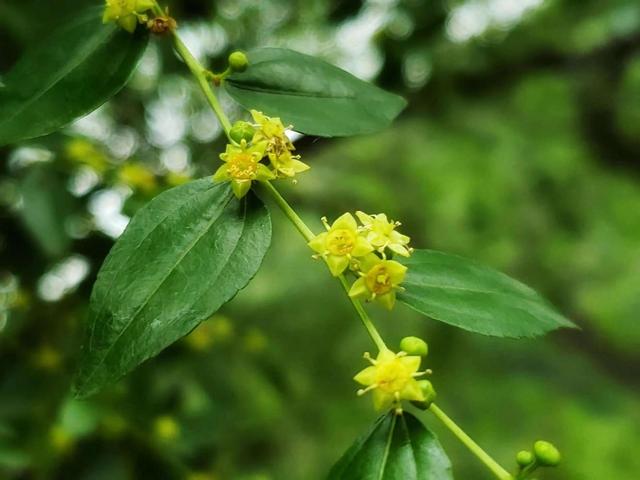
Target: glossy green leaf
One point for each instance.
(185, 254)
(398, 447)
(314, 96)
(68, 75)
(465, 294)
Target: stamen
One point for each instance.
(367, 356)
(363, 391)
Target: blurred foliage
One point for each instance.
(520, 149)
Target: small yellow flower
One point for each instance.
(340, 243)
(271, 130)
(382, 233)
(279, 146)
(392, 378)
(287, 164)
(126, 13)
(379, 280)
(242, 166)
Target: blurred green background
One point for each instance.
(520, 148)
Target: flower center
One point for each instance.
(378, 280)
(341, 241)
(392, 376)
(242, 167)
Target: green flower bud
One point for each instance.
(524, 458)
(414, 346)
(429, 394)
(238, 62)
(242, 131)
(546, 454)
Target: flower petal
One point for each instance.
(386, 355)
(359, 289)
(382, 400)
(337, 264)
(345, 221)
(298, 166)
(399, 249)
(364, 218)
(240, 187)
(129, 23)
(366, 377)
(412, 362)
(387, 300)
(412, 392)
(396, 271)
(318, 244)
(263, 173)
(221, 174)
(361, 248)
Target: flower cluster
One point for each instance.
(264, 139)
(127, 13)
(392, 377)
(362, 249)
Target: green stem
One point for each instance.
(200, 73)
(483, 456)
(289, 212)
(308, 235)
(366, 321)
(528, 470)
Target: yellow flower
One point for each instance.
(279, 146)
(392, 378)
(271, 130)
(382, 233)
(340, 243)
(287, 164)
(126, 13)
(379, 280)
(242, 166)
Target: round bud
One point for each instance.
(242, 131)
(238, 61)
(524, 458)
(429, 394)
(414, 346)
(546, 454)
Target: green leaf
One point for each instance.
(398, 447)
(315, 97)
(68, 75)
(46, 205)
(471, 296)
(185, 254)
